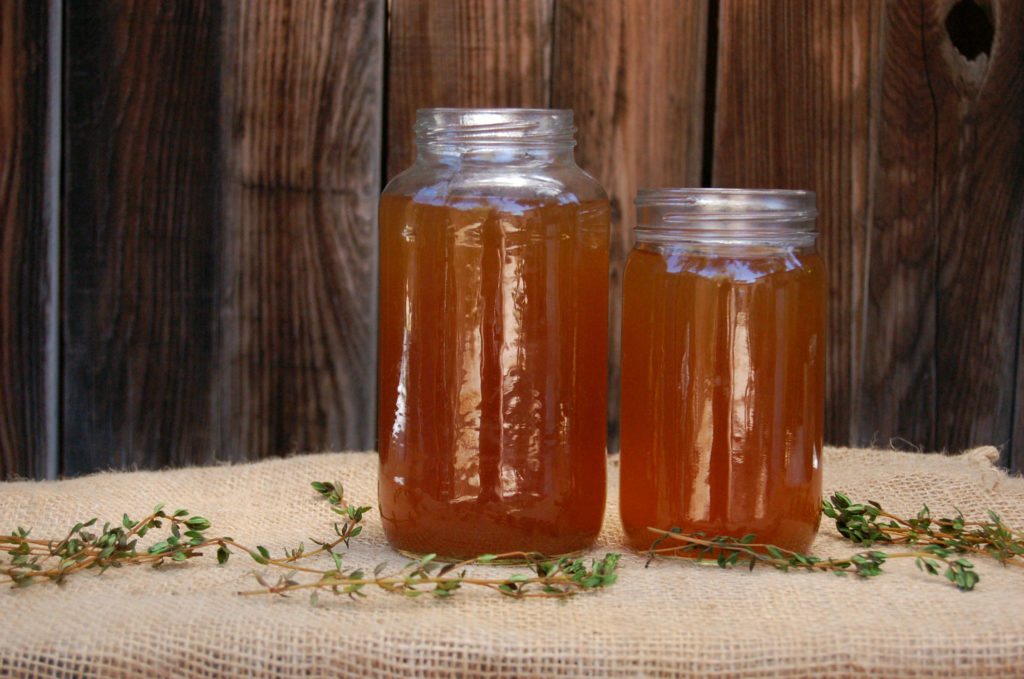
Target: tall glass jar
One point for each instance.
(493, 338)
(723, 366)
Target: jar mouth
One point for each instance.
(684, 204)
(726, 215)
(495, 126)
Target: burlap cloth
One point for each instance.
(667, 620)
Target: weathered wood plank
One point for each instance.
(221, 174)
(463, 53)
(947, 229)
(24, 233)
(897, 400)
(1016, 455)
(302, 120)
(977, 123)
(796, 96)
(634, 73)
(921, 214)
(140, 246)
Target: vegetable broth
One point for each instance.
(492, 384)
(723, 378)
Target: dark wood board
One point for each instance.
(797, 95)
(479, 53)
(897, 397)
(947, 233)
(915, 152)
(979, 214)
(221, 164)
(633, 71)
(303, 86)
(140, 237)
(1016, 457)
(25, 286)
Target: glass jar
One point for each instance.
(723, 367)
(493, 339)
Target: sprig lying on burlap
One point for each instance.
(939, 542)
(559, 578)
(116, 545)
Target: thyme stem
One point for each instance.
(81, 549)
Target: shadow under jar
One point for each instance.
(493, 339)
(723, 367)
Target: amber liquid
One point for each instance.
(492, 376)
(723, 378)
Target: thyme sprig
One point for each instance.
(728, 552)
(113, 546)
(116, 545)
(868, 523)
(559, 578)
(939, 542)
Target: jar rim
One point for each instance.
(716, 204)
(495, 125)
(726, 215)
(506, 110)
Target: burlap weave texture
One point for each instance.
(667, 620)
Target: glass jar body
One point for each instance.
(723, 383)
(492, 349)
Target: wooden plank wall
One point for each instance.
(795, 109)
(139, 248)
(222, 161)
(908, 120)
(25, 259)
(222, 166)
(634, 74)
(302, 125)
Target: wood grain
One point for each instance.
(897, 400)
(915, 151)
(140, 246)
(633, 71)
(978, 195)
(302, 120)
(221, 163)
(947, 235)
(24, 263)
(1016, 457)
(479, 53)
(796, 96)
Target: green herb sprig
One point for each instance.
(559, 578)
(113, 546)
(868, 523)
(939, 543)
(728, 551)
(33, 560)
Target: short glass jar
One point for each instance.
(493, 339)
(723, 367)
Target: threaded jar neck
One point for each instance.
(439, 129)
(730, 216)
